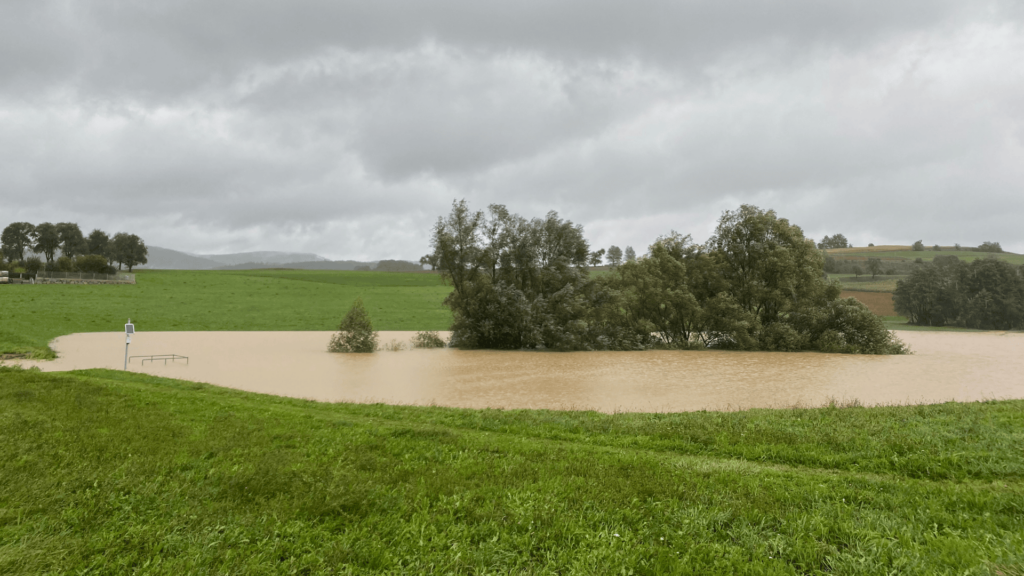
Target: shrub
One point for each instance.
(937, 248)
(94, 264)
(33, 265)
(393, 346)
(989, 247)
(66, 264)
(919, 246)
(355, 334)
(427, 340)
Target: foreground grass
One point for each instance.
(111, 472)
(32, 315)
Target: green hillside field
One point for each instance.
(32, 315)
(108, 472)
(927, 255)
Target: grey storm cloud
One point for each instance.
(347, 128)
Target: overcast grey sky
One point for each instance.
(347, 128)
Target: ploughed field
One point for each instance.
(114, 472)
(32, 315)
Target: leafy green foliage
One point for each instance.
(71, 240)
(46, 240)
(630, 254)
(428, 339)
(129, 250)
(16, 238)
(614, 255)
(754, 285)
(986, 293)
(93, 264)
(119, 472)
(835, 241)
(98, 243)
(521, 283)
(66, 264)
(990, 247)
(355, 334)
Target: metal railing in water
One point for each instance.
(156, 357)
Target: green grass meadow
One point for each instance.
(112, 473)
(107, 472)
(32, 315)
(928, 255)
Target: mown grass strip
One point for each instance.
(113, 472)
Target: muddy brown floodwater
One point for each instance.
(945, 366)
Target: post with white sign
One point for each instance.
(129, 329)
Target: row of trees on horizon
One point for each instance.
(66, 249)
(757, 284)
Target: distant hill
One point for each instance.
(167, 259)
(315, 265)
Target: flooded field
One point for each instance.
(945, 366)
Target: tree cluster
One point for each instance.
(987, 293)
(757, 284)
(66, 249)
(836, 241)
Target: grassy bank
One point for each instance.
(115, 473)
(31, 316)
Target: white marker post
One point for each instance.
(129, 329)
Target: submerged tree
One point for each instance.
(355, 334)
(757, 284)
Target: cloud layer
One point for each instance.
(346, 128)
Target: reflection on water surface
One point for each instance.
(945, 366)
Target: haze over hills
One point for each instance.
(265, 257)
(167, 259)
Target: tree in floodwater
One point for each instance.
(757, 284)
(521, 283)
(355, 333)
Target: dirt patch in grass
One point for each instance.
(880, 303)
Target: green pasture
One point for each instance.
(115, 473)
(864, 283)
(32, 315)
(928, 255)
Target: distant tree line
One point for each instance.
(757, 284)
(835, 241)
(95, 253)
(987, 293)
